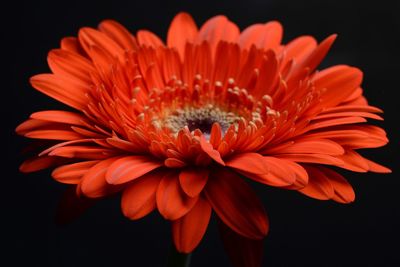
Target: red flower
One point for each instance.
(180, 127)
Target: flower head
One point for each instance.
(179, 127)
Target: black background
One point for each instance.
(304, 232)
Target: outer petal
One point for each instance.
(129, 168)
(63, 90)
(243, 252)
(338, 83)
(147, 38)
(182, 30)
(94, 183)
(344, 192)
(280, 173)
(72, 173)
(89, 37)
(172, 202)
(188, 231)
(315, 58)
(70, 65)
(375, 167)
(236, 204)
(119, 34)
(300, 48)
(139, 198)
(39, 163)
(248, 162)
(59, 116)
(264, 36)
(216, 29)
(193, 180)
(318, 186)
(72, 44)
(311, 145)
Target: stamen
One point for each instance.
(200, 118)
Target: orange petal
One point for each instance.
(82, 152)
(89, 37)
(248, 162)
(122, 144)
(242, 252)
(38, 163)
(215, 135)
(59, 116)
(311, 145)
(314, 125)
(318, 186)
(312, 158)
(54, 135)
(353, 161)
(300, 48)
(188, 231)
(70, 65)
(217, 29)
(337, 83)
(129, 168)
(282, 173)
(344, 192)
(147, 38)
(72, 173)
(172, 202)
(94, 184)
(119, 34)
(71, 44)
(183, 29)
(67, 92)
(193, 180)
(236, 204)
(375, 167)
(174, 163)
(315, 58)
(264, 36)
(209, 149)
(32, 124)
(139, 198)
(301, 175)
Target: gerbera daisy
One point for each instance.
(179, 127)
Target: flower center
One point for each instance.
(200, 118)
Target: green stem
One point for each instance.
(177, 259)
